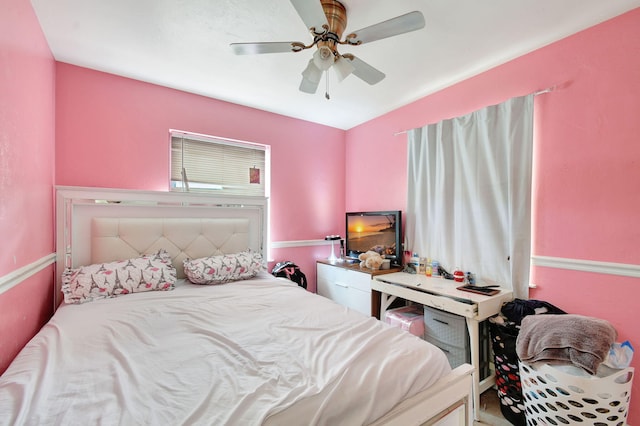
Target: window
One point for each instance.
(209, 164)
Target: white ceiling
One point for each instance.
(184, 44)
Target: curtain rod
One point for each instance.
(543, 91)
(539, 92)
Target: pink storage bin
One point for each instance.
(409, 318)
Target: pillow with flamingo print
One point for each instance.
(223, 268)
(149, 272)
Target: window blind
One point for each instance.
(213, 164)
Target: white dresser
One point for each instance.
(347, 284)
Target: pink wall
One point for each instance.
(587, 162)
(114, 132)
(26, 172)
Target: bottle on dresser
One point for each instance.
(435, 268)
(415, 262)
(427, 267)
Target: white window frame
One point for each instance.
(184, 186)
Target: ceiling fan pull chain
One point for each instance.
(326, 92)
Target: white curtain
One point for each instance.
(469, 193)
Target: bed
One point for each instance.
(247, 352)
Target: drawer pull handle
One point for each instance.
(438, 306)
(341, 285)
(440, 321)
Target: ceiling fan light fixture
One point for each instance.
(312, 72)
(310, 78)
(323, 58)
(307, 86)
(343, 68)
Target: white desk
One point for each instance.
(442, 294)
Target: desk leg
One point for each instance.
(385, 301)
(375, 303)
(474, 342)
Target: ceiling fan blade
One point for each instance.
(399, 25)
(265, 47)
(311, 13)
(310, 78)
(364, 71)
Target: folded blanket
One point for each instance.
(580, 340)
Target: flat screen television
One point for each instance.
(378, 231)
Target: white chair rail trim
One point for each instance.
(624, 269)
(610, 268)
(298, 243)
(16, 277)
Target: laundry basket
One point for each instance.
(555, 397)
(503, 342)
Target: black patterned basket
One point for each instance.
(503, 340)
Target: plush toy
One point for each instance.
(370, 259)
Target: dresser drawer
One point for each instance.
(346, 287)
(445, 327)
(355, 279)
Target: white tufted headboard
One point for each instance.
(99, 225)
(124, 238)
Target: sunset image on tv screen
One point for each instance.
(375, 233)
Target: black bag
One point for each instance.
(518, 309)
(290, 271)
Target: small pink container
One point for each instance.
(408, 318)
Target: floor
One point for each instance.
(490, 414)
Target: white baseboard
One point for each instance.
(610, 268)
(16, 277)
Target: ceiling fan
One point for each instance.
(327, 20)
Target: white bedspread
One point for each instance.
(253, 352)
